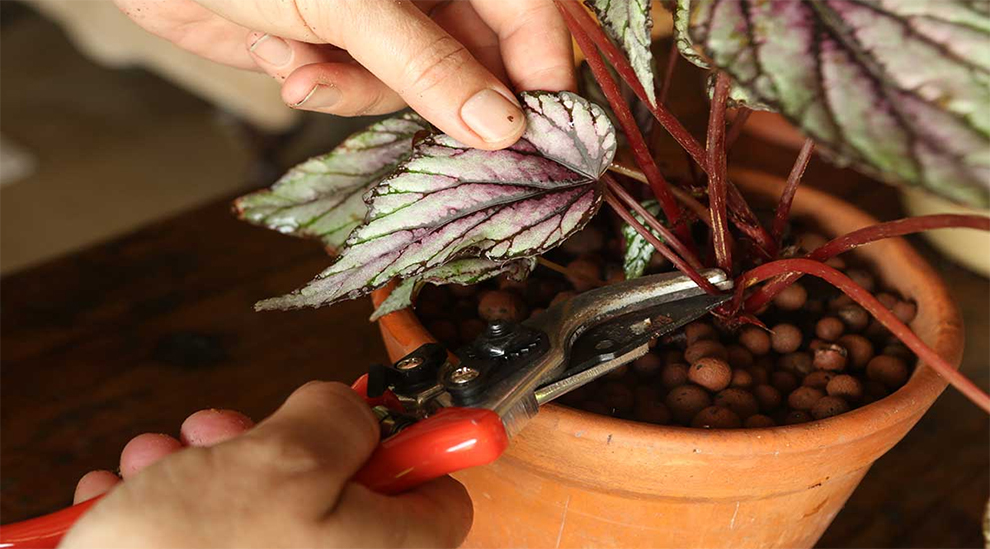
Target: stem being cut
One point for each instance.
(787, 196)
(866, 300)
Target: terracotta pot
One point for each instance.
(575, 479)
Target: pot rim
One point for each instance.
(907, 404)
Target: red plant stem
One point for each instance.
(866, 235)
(679, 263)
(652, 221)
(641, 152)
(716, 174)
(735, 130)
(875, 308)
(580, 23)
(668, 74)
(688, 201)
(787, 196)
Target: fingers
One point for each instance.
(209, 427)
(432, 72)
(143, 450)
(525, 27)
(94, 483)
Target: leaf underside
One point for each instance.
(900, 89)
(628, 23)
(448, 202)
(322, 197)
(639, 251)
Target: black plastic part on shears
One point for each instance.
(503, 348)
(415, 371)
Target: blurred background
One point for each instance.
(127, 285)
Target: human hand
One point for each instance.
(448, 60)
(282, 483)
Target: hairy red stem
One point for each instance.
(675, 259)
(652, 222)
(866, 235)
(641, 152)
(580, 22)
(875, 308)
(735, 130)
(787, 196)
(717, 174)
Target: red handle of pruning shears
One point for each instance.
(448, 441)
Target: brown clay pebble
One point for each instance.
(889, 370)
(803, 398)
(739, 356)
(785, 338)
(742, 379)
(697, 331)
(816, 344)
(711, 373)
(648, 365)
(796, 416)
(686, 401)
(810, 241)
(799, 363)
(897, 350)
(755, 339)
(829, 328)
(905, 311)
(501, 305)
(672, 356)
(615, 395)
(760, 373)
(674, 375)
(888, 300)
(583, 274)
(785, 382)
(831, 357)
(862, 278)
(840, 301)
(845, 386)
(829, 406)
(836, 263)
(471, 328)
(874, 390)
(768, 397)
(791, 298)
(759, 421)
(854, 317)
(445, 331)
(716, 417)
(740, 401)
(818, 379)
(703, 349)
(617, 373)
(562, 296)
(860, 350)
(649, 407)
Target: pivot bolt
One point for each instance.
(463, 374)
(409, 363)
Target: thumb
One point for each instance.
(434, 73)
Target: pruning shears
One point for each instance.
(441, 412)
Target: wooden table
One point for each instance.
(132, 335)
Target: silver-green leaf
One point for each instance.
(638, 249)
(629, 24)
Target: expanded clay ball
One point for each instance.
(854, 317)
(905, 311)
(796, 416)
(785, 338)
(648, 365)
(759, 421)
(716, 417)
(889, 370)
(704, 349)
(791, 298)
(818, 379)
(617, 373)
(649, 407)
(862, 278)
(755, 339)
(741, 379)
(845, 386)
(829, 328)
(897, 350)
(829, 406)
(803, 398)
(785, 382)
(739, 356)
(831, 357)
(860, 350)
(887, 299)
(698, 331)
(768, 397)
(711, 373)
(583, 274)
(741, 402)
(800, 363)
(501, 305)
(674, 375)
(686, 401)
(617, 396)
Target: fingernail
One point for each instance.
(272, 50)
(320, 97)
(492, 116)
